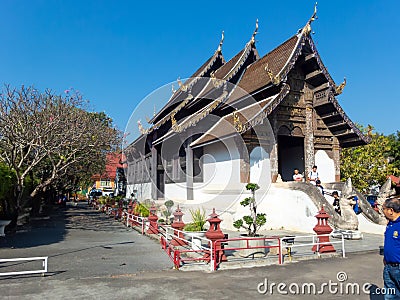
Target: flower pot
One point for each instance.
(252, 242)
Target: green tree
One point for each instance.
(370, 164)
(394, 153)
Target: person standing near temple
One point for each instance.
(313, 175)
(391, 252)
(297, 176)
(336, 202)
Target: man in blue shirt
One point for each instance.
(391, 259)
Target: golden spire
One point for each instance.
(253, 37)
(307, 29)
(340, 87)
(219, 49)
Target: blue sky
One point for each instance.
(117, 52)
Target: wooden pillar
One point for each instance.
(153, 175)
(274, 151)
(244, 159)
(189, 170)
(336, 158)
(309, 152)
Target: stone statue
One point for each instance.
(348, 219)
(384, 193)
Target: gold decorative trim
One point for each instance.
(340, 87)
(181, 85)
(307, 28)
(236, 122)
(173, 89)
(219, 49)
(253, 37)
(274, 79)
(141, 129)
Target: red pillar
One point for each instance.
(178, 225)
(323, 227)
(215, 233)
(153, 228)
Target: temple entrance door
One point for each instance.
(290, 156)
(160, 184)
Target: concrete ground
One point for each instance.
(94, 257)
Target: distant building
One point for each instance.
(109, 179)
(244, 120)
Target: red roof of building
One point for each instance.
(395, 180)
(114, 161)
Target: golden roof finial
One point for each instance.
(173, 89)
(340, 87)
(253, 37)
(219, 49)
(181, 85)
(141, 129)
(307, 29)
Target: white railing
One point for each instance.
(195, 242)
(142, 221)
(314, 241)
(42, 271)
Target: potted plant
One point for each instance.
(167, 210)
(253, 222)
(196, 229)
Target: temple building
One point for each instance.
(249, 119)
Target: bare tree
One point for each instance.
(51, 135)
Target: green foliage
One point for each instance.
(198, 220)
(142, 209)
(371, 164)
(246, 201)
(167, 211)
(394, 153)
(7, 179)
(255, 220)
(252, 187)
(169, 203)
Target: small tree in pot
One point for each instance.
(255, 220)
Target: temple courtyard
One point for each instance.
(91, 256)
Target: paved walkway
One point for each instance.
(93, 257)
(82, 243)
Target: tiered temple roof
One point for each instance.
(246, 89)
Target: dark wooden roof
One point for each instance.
(260, 78)
(256, 77)
(212, 64)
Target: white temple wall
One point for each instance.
(221, 166)
(326, 166)
(175, 191)
(260, 167)
(143, 190)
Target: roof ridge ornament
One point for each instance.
(307, 28)
(181, 85)
(340, 87)
(274, 79)
(141, 129)
(219, 49)
(253, 37)
(173, 89)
